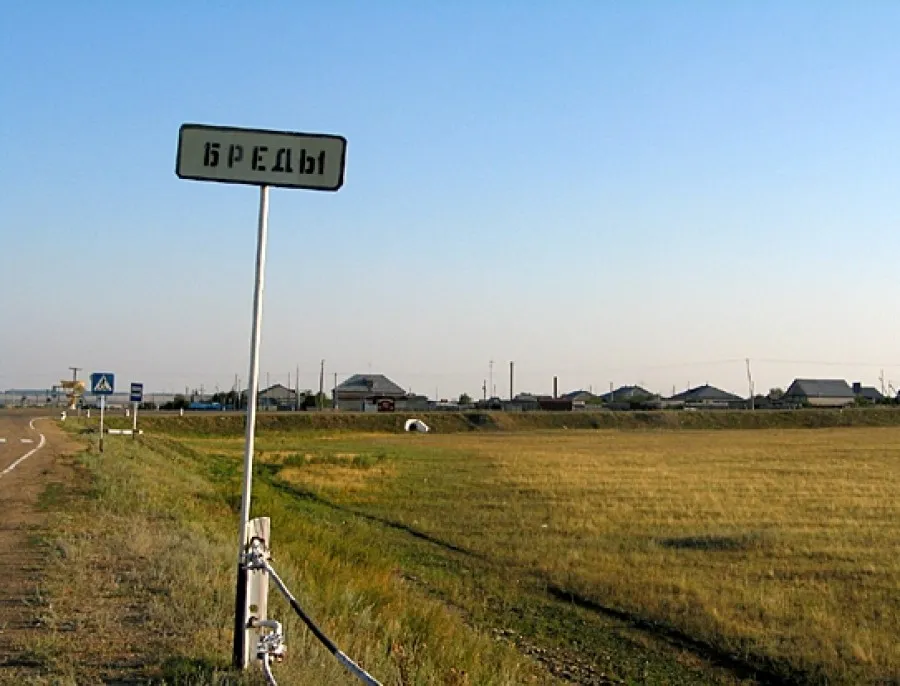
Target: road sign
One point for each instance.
(261, 158)
(103, 383)
(137, 392)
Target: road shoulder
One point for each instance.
(26, 494)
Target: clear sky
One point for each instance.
(628, 192)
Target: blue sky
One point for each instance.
(611, 192)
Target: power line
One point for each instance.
(830, 363)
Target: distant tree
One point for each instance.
(465, 399)
(307, 400)
(226, 398)
(179, 403)
(776, 393)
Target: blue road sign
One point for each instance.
(137, 392)
(103, 383)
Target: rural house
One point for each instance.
(527, 402)
(624, 394)
(579, 397)
(361, 390)
(819, 392)
(706, 397)
(870, 393)
(277, 397)
(523, 402)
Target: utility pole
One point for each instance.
(334, 393)
(512, 367)
(491, 375)
(881, 379)
(484, 389)
(320, 400)
(297, 389)
(750, 382)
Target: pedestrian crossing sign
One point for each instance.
(102, 383)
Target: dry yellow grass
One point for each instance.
(778, 545)
(140, 585)
(334, 477)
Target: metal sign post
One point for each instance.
(241, 648)
(102, 384)
(261, 158)
(137, 395)
(102, 404)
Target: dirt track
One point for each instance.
(21, 563)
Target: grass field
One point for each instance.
(140, 584)
(219, 424)
(646, 557)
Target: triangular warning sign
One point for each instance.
(103, 386)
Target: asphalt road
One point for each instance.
(19, 441)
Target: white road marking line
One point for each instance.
(2, 440)
(26, 455)
(26, 440)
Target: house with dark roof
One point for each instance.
(868, 393)
(626, 394)
(361, 390)
(528, 402)
(819, 393)
(579, 397)
(275, 397)
(706, 397)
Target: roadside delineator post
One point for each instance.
(257, 602)
(263, 158)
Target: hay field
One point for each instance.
(778, 547)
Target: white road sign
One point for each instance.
(261, 158)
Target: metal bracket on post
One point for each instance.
(256, 610)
